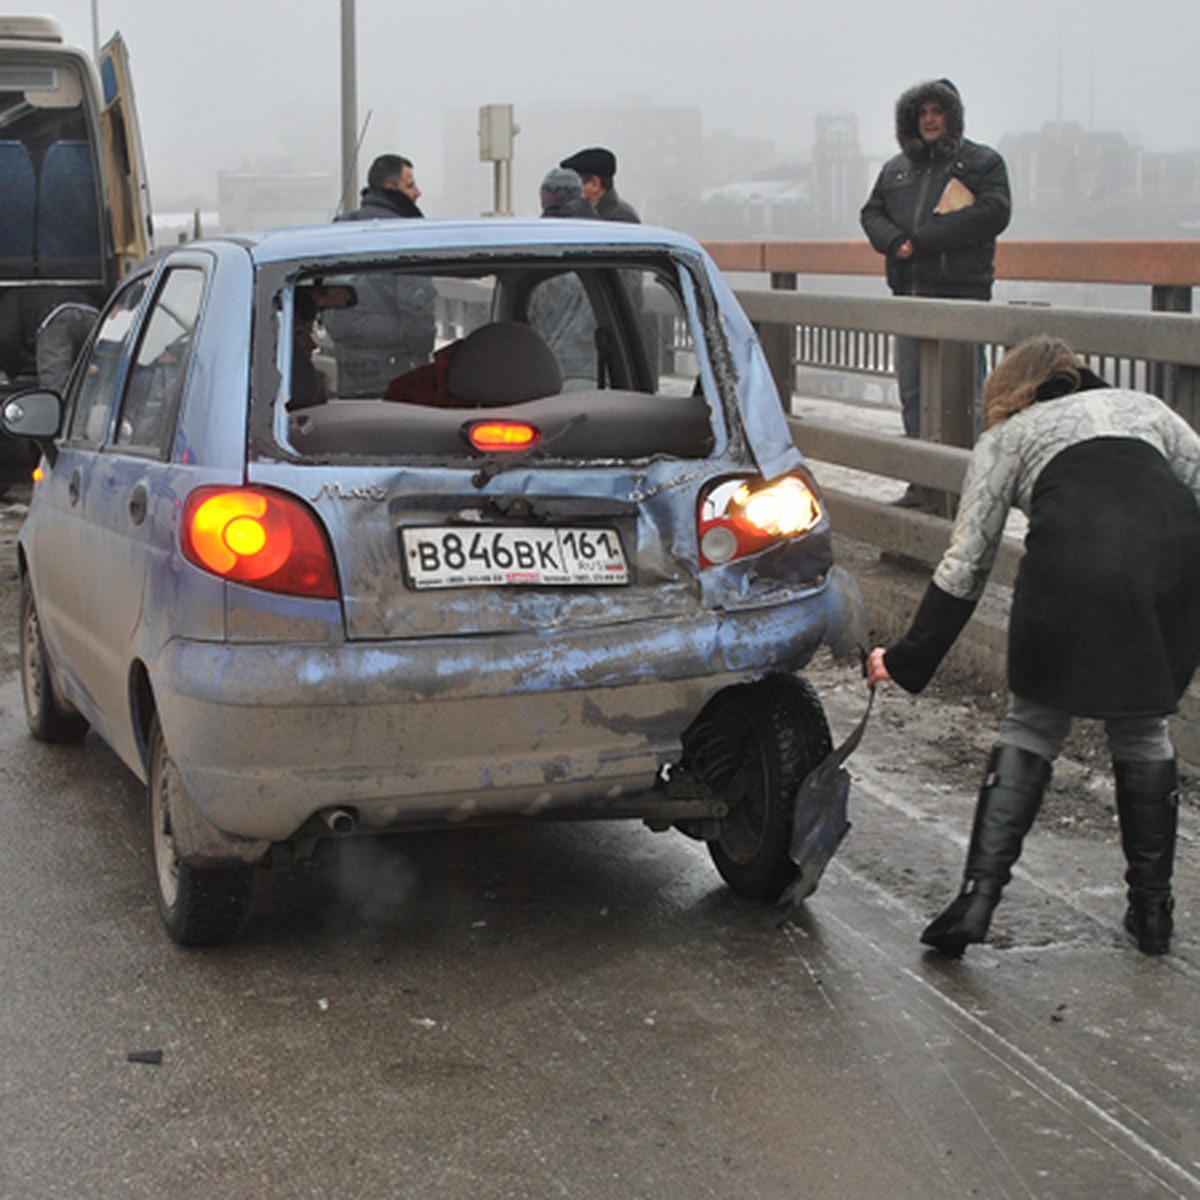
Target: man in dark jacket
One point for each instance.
(391, 191)
(934, 213)
(390, 328)
(596, 167)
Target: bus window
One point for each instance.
(72, 191)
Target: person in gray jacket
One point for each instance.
(596, 167)
(1105, 616)
(390, 328)
(934, 214)
(559, 308)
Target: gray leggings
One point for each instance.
(1042, 730)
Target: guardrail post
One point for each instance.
(948, 392)
(779, 344)
(947, 406)
(1165, 380)
(1186, 399)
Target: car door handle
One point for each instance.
(73, 487)
(137, 504)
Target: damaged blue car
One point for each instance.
(397, 525)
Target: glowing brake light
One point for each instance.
(492, 436)
(261, 538)
(742, 516)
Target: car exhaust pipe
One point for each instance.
(340, 821)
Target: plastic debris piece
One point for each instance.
(152, 1058)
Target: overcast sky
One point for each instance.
(223, 84)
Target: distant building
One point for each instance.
(839, 176)
(1172, 178)
(1064, 165)
(728, 155)
(763, 208)
(658, 148)
(269, 199)
(773, 199)
(182, 226)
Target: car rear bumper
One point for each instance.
(266, 736)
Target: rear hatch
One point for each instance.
(533, 454)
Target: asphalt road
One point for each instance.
(584, 1011)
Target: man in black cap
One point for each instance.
(596, 167)
(934, 214)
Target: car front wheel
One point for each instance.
(50, 718)
(754, 744)
(200, 906)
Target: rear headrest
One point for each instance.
(503, 363)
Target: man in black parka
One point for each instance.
(934, 213)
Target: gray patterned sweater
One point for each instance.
(1106, 611)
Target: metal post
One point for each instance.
(779, 344)
(96, 32)
(1165, 377)
(349, 110)
(947, 406)
(948, 392)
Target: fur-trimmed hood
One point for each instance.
(908, 133)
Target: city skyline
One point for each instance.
(225, 85)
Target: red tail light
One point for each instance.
(261, 538)
(743, 516)
(492, 436)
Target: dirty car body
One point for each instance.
(516, 581)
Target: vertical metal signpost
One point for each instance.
(496, 132)
(349, 110)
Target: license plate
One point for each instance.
(464, 556)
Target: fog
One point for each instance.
(236, 84)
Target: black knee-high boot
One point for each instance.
(1008, 802)
(1148, 808)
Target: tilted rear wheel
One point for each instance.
(50, 718)
(200, 906)
(754, 744)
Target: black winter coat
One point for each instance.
(954, 252)
(1106, 608)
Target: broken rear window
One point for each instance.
(597, 359)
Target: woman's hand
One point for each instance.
(877, 672)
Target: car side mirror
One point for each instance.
(36, 415)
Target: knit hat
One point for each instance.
(559, 189)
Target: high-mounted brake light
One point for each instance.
(258, 537)
(743, 516)
(499, 436)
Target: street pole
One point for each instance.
(349, 110)
(96, 32)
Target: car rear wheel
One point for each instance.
(50, 718)
(200, 906)
(754, 744)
